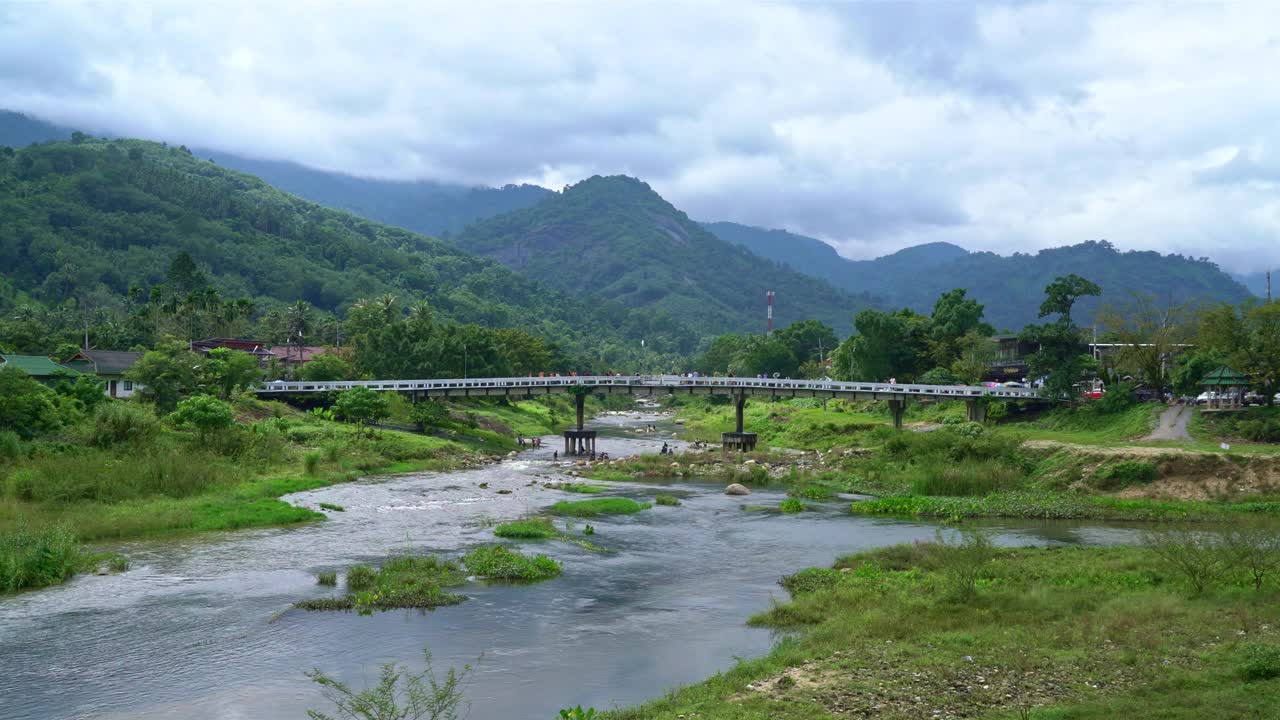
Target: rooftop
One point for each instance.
(35, 365)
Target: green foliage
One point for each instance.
(35, 558)
(165, 374)
(531, 529)
(1193, 553)
(1124, 474)
(10, 446)
(963, 561)
(361, 577)
(937, 376)
(428, 414)
(26, 407)
(311, 462)
(102, 477)
(86, 390)
(328, 577)
(120, 423)
(1260, 662)
(1062, 293)
(118, 563)
(1117, 399)
(669, 500)
(949, 478)
(808, 340)
(791, 505)
(500, 563)
(887, 345)
(810, 580)
(577, 713)
(205, 413)
(360, 405)
(326, 367)
(598, 506)
(225, 372)
(332, 507)
(398, 695)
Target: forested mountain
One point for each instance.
(1010, 287)
(615, 238)
(87, 221)
(1256, 282)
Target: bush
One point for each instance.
(361, 577)
(1116, 399)
(500, 563)
(10, 446)
(1124, 474)
(1260, 662)
(311, 462)
(1194, 554)
(962, 563)
(37, 558)
(967, 478)
(118, 423)
(203, 412)
(791, 505)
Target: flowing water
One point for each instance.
(201, 627)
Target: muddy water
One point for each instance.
(201, 628)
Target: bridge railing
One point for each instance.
(671, 381)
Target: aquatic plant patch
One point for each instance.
(501, 563)
(402, 582)
(531, 529)
(598, 506)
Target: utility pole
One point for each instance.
(768, 296)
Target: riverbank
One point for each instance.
(967, 630)
(167, 481)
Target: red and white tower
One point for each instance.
(768, 295)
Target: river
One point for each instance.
(200, 628)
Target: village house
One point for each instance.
(39, 367)
(110, 367)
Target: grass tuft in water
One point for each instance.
(669, 500)
(329, 577)
(402, 582)
(599, 506)
(117, 563)
(791, 505)
(361, 577)
(500, 563)
(332, 507)
(531, 529)
(37, 558)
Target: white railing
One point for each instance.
(665, 381)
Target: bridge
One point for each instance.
(582, 440)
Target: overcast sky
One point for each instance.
(997, 126)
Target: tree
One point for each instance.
(166, 374)
(326, 367)
(427, 414)
(720, 354)
(1248, 336)
(26, 407)
(225, 371)
(1149, 336)
(954, 316)
(1062, 293)
(184, 276)
(86, 390)
(888, 345)
(1061, 359)
(298, 324)
(205, 413)
(361, 405)
(976, 355)
(1192, 368)
(769, 356)
(808, 340)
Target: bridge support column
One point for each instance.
(976, 410)
(738, 440)
(579, 402)
(579, 442)
(897, 407)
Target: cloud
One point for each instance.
(1005, 126)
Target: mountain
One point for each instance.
(1256, 282)
(430, 208)
(615, 238)
(425, 207)
(1010, 287)
(92, 218)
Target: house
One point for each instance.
(1010, 359)
(110, 367)
(256, 348)
(296, 355)
(37, 366)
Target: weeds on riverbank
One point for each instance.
(1078, 632)
(34, 558)
(1058, 506)
(500, 563)
(598, 506)
(399, 694)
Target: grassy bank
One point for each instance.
(968, 631)
(140, 476)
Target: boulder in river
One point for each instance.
(737, 489)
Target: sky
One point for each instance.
(1007, 126)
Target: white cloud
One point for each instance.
(1006, 127)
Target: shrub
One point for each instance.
(10, 446)
(311, 462)
(500, 563)
(116, 423)
(399, 693)
(37, 558)
(962, 563)
(328, 577)
(203, 412)
(361, 577)
(331, 506)
(1254, 547)
(1124, 474)
(1116, 399)
(1260, 662)
(791, 505)
(333, 451)
(810, 580)
(937, 476)
(666, 500)
(1194, 554)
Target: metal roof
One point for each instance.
(35, 365)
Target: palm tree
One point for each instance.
(298, 324)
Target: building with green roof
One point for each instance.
(37, 366)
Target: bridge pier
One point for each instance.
(897, 407)
(738, 440)
(580, 441)
(976, 410)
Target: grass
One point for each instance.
(598, 506)
(1047, 633)
(328, 577)
(792, 505)
(500, 563)
(402, 582)
(1087, 427)
(531, 529)
(583, 488)
(1047, 505)
(332, 507)
(38, 557)
(669, 500)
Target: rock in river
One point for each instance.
(736, 489)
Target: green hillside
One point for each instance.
(615, 238)
(1009, 286)
(85, 221)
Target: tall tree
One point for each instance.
(1062, 293)
(1149, 335)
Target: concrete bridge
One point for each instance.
(582, 440)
